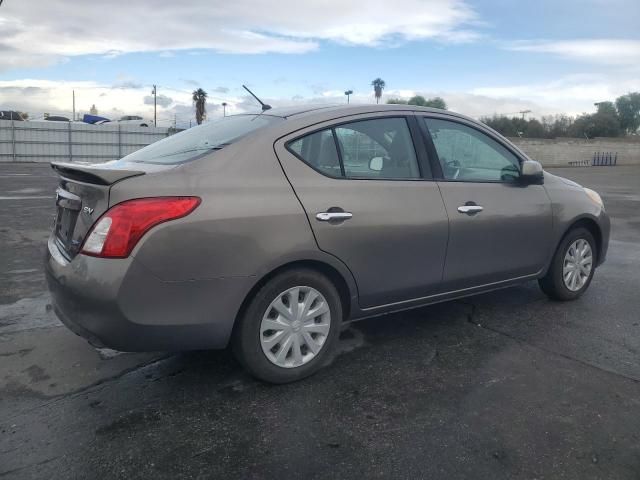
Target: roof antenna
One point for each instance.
(264, 105)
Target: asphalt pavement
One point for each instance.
(498, 386)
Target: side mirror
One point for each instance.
(376, 164)
(532, 172)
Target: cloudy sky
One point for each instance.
(483, 57)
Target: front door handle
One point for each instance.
(470, 209)
(329, 216)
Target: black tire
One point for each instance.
(246, 337)
(552, 283)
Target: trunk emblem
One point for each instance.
(87, 210)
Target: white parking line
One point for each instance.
(31, 197)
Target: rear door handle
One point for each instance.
(328, 216)
(470, 209)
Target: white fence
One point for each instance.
(70, 141)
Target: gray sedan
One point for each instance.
(269, 231)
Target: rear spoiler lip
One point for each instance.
(92, 173)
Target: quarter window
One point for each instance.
(319, 151)
(468, 155)
(368, 149)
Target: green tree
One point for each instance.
(556, 126)
(378, 85)
(534, 129)
(628, 108)
(436, 102)
(418, 100)
(200, 102)
(600, 124)
(518, 126)
(506, 126)
(607, 108)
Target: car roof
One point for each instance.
(337, 111)
(297, 117)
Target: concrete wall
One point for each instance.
(70, 141)
(559, 152)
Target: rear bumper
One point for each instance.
(118, 303)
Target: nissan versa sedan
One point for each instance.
(269, 231)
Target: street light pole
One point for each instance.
(155, 105)
(224, 109)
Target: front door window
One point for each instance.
(468, 155)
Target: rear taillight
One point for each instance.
(120, 228)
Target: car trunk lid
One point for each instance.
(83, 196)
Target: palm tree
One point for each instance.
(378, 85)
(200, 100)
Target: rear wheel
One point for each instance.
(290, 327)
(572, 267)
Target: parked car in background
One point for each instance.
(270, 231)
(135, 120)
(56, 118)
(11, 115)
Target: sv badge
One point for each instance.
(87, 210)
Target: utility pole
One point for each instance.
(224, 109)
(348, 93)
(155, 104)
(74, 105)
(524, 112)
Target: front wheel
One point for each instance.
(572, 267)
(290, 327)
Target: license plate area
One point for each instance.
(68, 207)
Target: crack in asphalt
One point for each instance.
(31, 465)
(470, 319)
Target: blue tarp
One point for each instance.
(93, 119)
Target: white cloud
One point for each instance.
(573, 94)
(37, 32)
(603, 51)
(161, 100)
(37, 97)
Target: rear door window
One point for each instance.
(381, 149)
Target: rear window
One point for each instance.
(191, 143)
